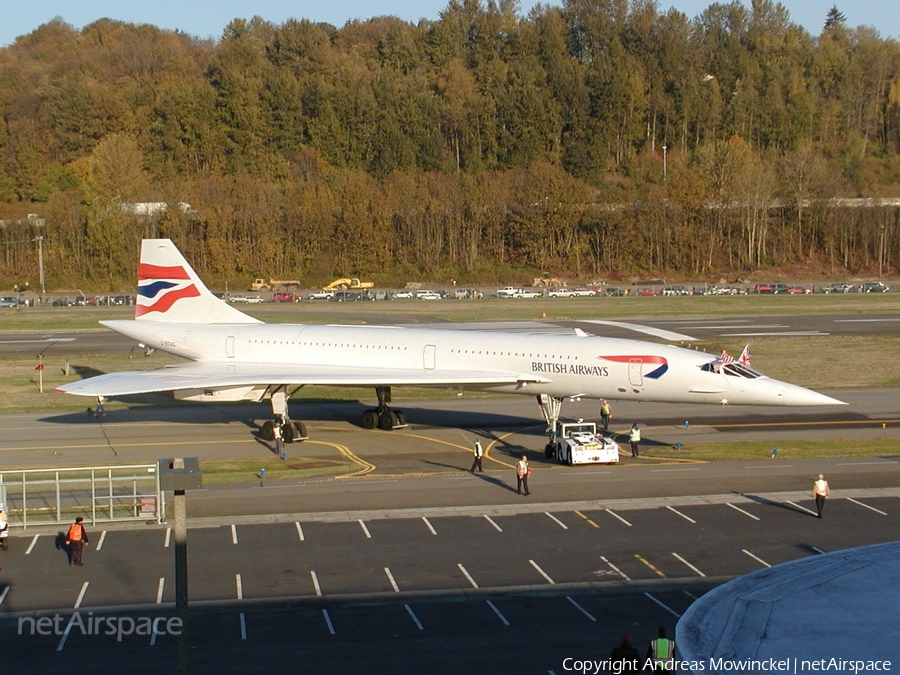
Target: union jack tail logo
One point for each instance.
(161, 287)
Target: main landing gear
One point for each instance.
(382, 416)
(290, 430)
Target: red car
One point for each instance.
(647, 291)
(796, 290)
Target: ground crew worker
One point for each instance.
(634, 437)
(821, 492)
(478, 452)
(522, 472)
(278, 437)
(76, 538)
(605, 415)
(662, 652)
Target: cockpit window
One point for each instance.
(734, 369)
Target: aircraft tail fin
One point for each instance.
(170, 291)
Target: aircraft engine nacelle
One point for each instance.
(221, 394)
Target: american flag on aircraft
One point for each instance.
(725, 358)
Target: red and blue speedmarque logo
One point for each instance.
(161, 287)
(655, 374)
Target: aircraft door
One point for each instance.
(428, 357)
(229, 346)
(635, 377)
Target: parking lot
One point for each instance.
(560, 576)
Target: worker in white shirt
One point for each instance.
(821, 492)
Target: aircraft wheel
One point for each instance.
(370, 419)
(401, 417)
(300, 429)
(287, 433)
(549, 450)
(386, 420)
(268, 430)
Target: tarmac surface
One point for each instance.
(413, 564)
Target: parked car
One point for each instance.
(346, 296)
(614, 292)
(583, 291)
(560, 292)
(285, 296)
(404, 295)
(763, 288)
(9, 302)
(779, 288)
(247, 300)
(797, 290)
(839, 287)
(321, 295)
(428, 295)
(647, 292)
(675, 290)
(874, 287)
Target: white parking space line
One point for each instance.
(802, 508)
(496, 526)
(581, 609)
(541, 572)
(467, 575)
(616, 515)
(102, 539)
(746, 513)
(678, 557)
(3, 594)
(168, 536)
(756, 558)
(556, 520)
(328, 621)
(65, 635)
(240, 586)
(234, 539)
(159, 590)
(412, 615)
(315, 580)
(31, 545)
(365, 529)
(428, 525)
(866, 506)
(243, 627)
(615, 569)
(663, 605)
(81, 595)
(690, 520)
(391, 579)
(300, 531)
(497, 612)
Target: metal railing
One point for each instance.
(96, 493)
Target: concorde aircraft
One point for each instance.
(235, 357)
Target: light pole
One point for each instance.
(665, 147)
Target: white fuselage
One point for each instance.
(563, 365)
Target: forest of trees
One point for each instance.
(600, 138)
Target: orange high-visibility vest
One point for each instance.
(75, 532)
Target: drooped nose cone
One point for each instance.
(792, 395)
